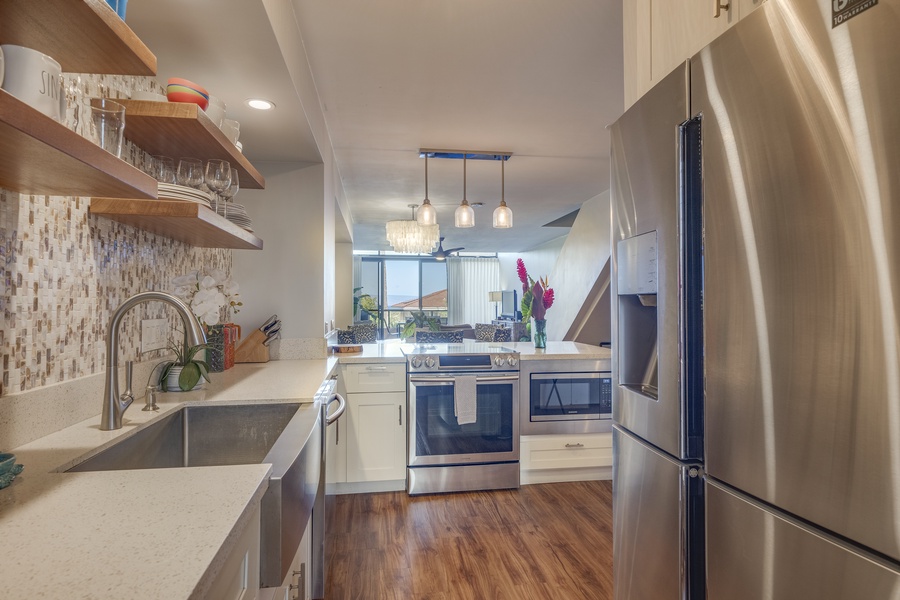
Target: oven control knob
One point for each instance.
(429, 362)
(512, 361)
(416, 362)
(498, 360)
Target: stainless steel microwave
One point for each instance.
(565, 396)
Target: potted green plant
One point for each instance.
(185, 372)
(419, 320)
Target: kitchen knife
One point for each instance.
(269, 322)
(272, 335)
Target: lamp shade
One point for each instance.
(503, 217)
(495, 296)
(464, 215)
(426, 214)
(502, 214)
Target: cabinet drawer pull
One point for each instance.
(574, 445)
(720, 6)
(400, 415)
(376, 368)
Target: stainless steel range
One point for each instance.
(463, 422)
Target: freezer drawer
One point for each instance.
(756, 553)
(657, 524)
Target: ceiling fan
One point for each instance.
(441, 254)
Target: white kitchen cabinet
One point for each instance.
(376, 444)
(636, 39)
(745, 7)
(569, 457)
(238, 578)
(681, 29)
(366, 449)
(659, 35)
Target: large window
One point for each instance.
(402, 286)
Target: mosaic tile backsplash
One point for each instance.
(64, 271)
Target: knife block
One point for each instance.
(252, 350)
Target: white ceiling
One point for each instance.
(537, 78)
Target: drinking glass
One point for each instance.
(163, 169)
(190, 172)
(107, 124)
(218, 175)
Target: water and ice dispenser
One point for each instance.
(637, 287)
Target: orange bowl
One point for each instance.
(182, 90)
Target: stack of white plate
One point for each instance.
(169, 191)
(236, 213)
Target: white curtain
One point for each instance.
(469, 281)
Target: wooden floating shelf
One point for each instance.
(40, 156)
(181, 129)
(84, 36)
(186, 222)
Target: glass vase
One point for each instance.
(540, 333)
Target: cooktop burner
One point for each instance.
(475, 356)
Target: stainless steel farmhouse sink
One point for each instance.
(288, 436)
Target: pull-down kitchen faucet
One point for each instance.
(114, 406)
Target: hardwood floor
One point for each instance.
(538, 542)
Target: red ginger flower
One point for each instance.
(548, 298)
(520, 269)
(523, 276)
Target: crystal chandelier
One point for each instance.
(408, 237)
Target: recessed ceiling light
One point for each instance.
(260, 104)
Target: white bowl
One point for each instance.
(34, 78)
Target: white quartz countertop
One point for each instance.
(392, 351)
(155, 533)
(559, 351)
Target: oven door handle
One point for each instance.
(448, 380)
(490, 378)
(435, 380)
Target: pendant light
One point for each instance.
(502, 214)
(426, 215)
(465, 215)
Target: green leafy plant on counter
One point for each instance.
(419, 320)
(192, 369)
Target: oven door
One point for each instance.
(435, 436)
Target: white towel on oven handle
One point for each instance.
(465, 403)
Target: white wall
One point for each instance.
(539, 261)
(287, 276)
(579, 264)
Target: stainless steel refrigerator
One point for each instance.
(793, 384)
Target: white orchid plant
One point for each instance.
(207, 293)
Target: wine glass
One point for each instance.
(218, 176)
(231, 190)
(190, 172)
